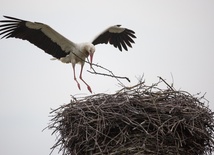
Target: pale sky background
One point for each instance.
(175, 40)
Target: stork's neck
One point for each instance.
(82, 50)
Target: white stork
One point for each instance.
(53, 43)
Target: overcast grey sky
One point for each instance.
(175, 40)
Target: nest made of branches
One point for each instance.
(139, 120)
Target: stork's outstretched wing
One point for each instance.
(39, 34)
(118, 36)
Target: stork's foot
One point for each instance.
(78, 85)
(89, 89)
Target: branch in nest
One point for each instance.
(166, 83)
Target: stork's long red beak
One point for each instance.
(91, 58)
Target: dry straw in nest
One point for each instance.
(142, 120)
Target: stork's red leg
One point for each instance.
(75, 77)
(88, 87)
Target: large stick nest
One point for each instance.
(141, 120)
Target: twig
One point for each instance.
(104, 74)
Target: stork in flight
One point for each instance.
(53, 43)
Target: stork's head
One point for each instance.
(90, 49)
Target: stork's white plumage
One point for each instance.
(53, 43)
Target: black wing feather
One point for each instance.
(123, 43)
(119, 40)
(17, 28)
